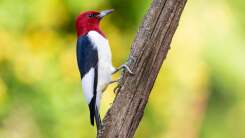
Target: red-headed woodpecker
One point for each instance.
(94, 60)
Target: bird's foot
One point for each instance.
(115, 90)
(114, 81)
(120, 80)
(125, 68)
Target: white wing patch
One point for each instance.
(105, 67)
(88, 85)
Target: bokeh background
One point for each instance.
(199, 93)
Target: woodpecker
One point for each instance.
(94, 60)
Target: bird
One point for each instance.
(94, 60)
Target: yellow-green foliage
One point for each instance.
(199, 92)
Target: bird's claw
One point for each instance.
(119, 81)
(114, 81)
(116, 89)
(125, 67)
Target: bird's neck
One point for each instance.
(84, 30)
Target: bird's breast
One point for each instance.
(105, 67)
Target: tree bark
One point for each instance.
(148, 51)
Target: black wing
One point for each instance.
(87, 55)
(87, 58)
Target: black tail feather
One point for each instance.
(94, 114)
(97, 118)
(92, 111)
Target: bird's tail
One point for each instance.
(97, 118)
(94, 114)
(92, 110)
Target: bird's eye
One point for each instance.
(91, 15)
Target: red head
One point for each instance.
(90, 20)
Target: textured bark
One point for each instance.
(149, 49)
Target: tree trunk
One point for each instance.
(149, 49)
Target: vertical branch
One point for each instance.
(149, 49)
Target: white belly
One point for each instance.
(105, 67)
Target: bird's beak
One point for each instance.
(104, 13)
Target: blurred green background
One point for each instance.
(199, 93)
